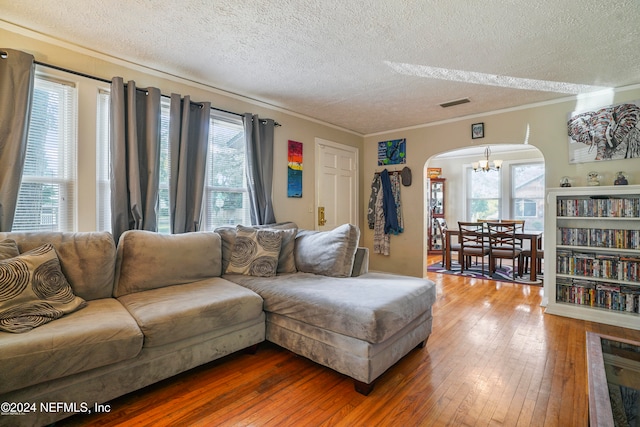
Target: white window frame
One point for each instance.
(506, 203)
(468, 172)
(211, 188)
(79, 209)
(511, 213)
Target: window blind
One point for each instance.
(48, 189)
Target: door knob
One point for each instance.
(321, 219)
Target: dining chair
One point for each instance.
(471, 238)
(519, 227)
(503, 245)
(443, 229)
(519, 241)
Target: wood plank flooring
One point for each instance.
(494, 358)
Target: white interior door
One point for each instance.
(336, 184)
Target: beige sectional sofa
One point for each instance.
(157, 305)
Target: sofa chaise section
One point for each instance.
(335, 313)
(359, 326)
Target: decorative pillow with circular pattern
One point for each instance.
(34, 291)
(255, 252)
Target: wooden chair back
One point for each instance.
(502, 235)
(471, 237)
(503, 244)
(471, 234)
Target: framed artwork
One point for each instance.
(607, 133)
(294, 169)
(392, 152)
(477, 130)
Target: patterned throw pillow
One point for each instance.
(33, 290)
(255, 252)
(286, 261)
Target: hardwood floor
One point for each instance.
(493, 358)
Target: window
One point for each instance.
(516, 191)
(103, 158)
(164, 220)
(527, 194)
(46, 200)
(483, 194)
(68, 112)
(226, 199)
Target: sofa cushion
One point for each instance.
(255, 252)
(371, 307)
(286, 260)
(8, 249)
(87, 259)
(330, 253)
(173, 313)
(100, 334)
(33, 290)
(147, 260)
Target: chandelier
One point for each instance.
(484, 164)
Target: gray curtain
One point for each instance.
(17, 72)
(188, 142)
(135, 157)
(259, 135)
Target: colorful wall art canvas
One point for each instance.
(608, 133)
(294, 169)
(392, 152)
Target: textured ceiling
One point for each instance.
(366, 66)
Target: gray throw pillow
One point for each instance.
(330, 253)
(255, 252)
(8, 249)
(34, 291)
(286, 260)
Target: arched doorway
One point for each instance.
(514, 191)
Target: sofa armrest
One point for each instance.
(361, 262)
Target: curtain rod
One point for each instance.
(89, 76)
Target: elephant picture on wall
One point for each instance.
(609, 133)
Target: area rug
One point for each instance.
(502, 273)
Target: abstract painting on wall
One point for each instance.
(294, 169)
(608, 133)
(392, 152)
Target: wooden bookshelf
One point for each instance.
(592, 262)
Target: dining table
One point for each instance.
(534, 237)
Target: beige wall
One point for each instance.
(293, 126)
(543, 126)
